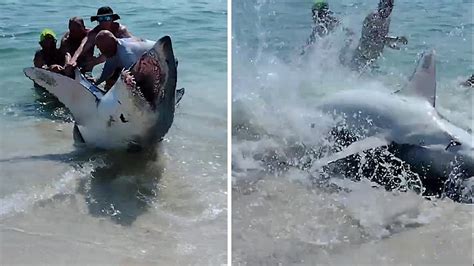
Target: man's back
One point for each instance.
(374, 31)
(325, 25)
(128, 52)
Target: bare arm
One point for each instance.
(107, 72)
(98, 60)
(38, 61)
(63, 47)
(367, 24)
(87, 43)
(123, 32)
(109, 83)
(67, 58)
(393, 42)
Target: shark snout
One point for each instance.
(165, 41)
(166, 48)
(168, 61)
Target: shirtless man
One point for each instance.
(73, 39)
(324, 23)
(120, 53)
(106, 18)
(49, 57)
(375, 37)
(324, 20)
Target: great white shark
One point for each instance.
(408, 124)
(125, 117)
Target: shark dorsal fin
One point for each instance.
(423, 81)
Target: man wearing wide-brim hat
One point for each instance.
(105, 13)
(107, 21)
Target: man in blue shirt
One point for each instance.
(120, 53)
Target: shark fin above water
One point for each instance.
(423, 81)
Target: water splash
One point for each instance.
(22, 201)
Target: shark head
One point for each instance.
(155, 75)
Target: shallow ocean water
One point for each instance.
(63, 205)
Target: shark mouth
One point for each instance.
(149, 77)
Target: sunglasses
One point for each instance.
(104, 19)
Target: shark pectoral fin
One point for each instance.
(179, 95)
(77, 136)
(355, 148)
(78, 95)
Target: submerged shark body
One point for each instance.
(126, 116)
(408, 126)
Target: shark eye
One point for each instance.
(453, 143)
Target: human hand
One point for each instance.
(56, 68)
(402, 40)
(394, 46)
(90, 78)
(128, 78)
(72, 64)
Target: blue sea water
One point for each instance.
(64, 207)
(446, 26)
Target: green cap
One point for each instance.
(320, 5)
(47, 32)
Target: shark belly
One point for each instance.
(121, 120)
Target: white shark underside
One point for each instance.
(409, 125)
(123, 116)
